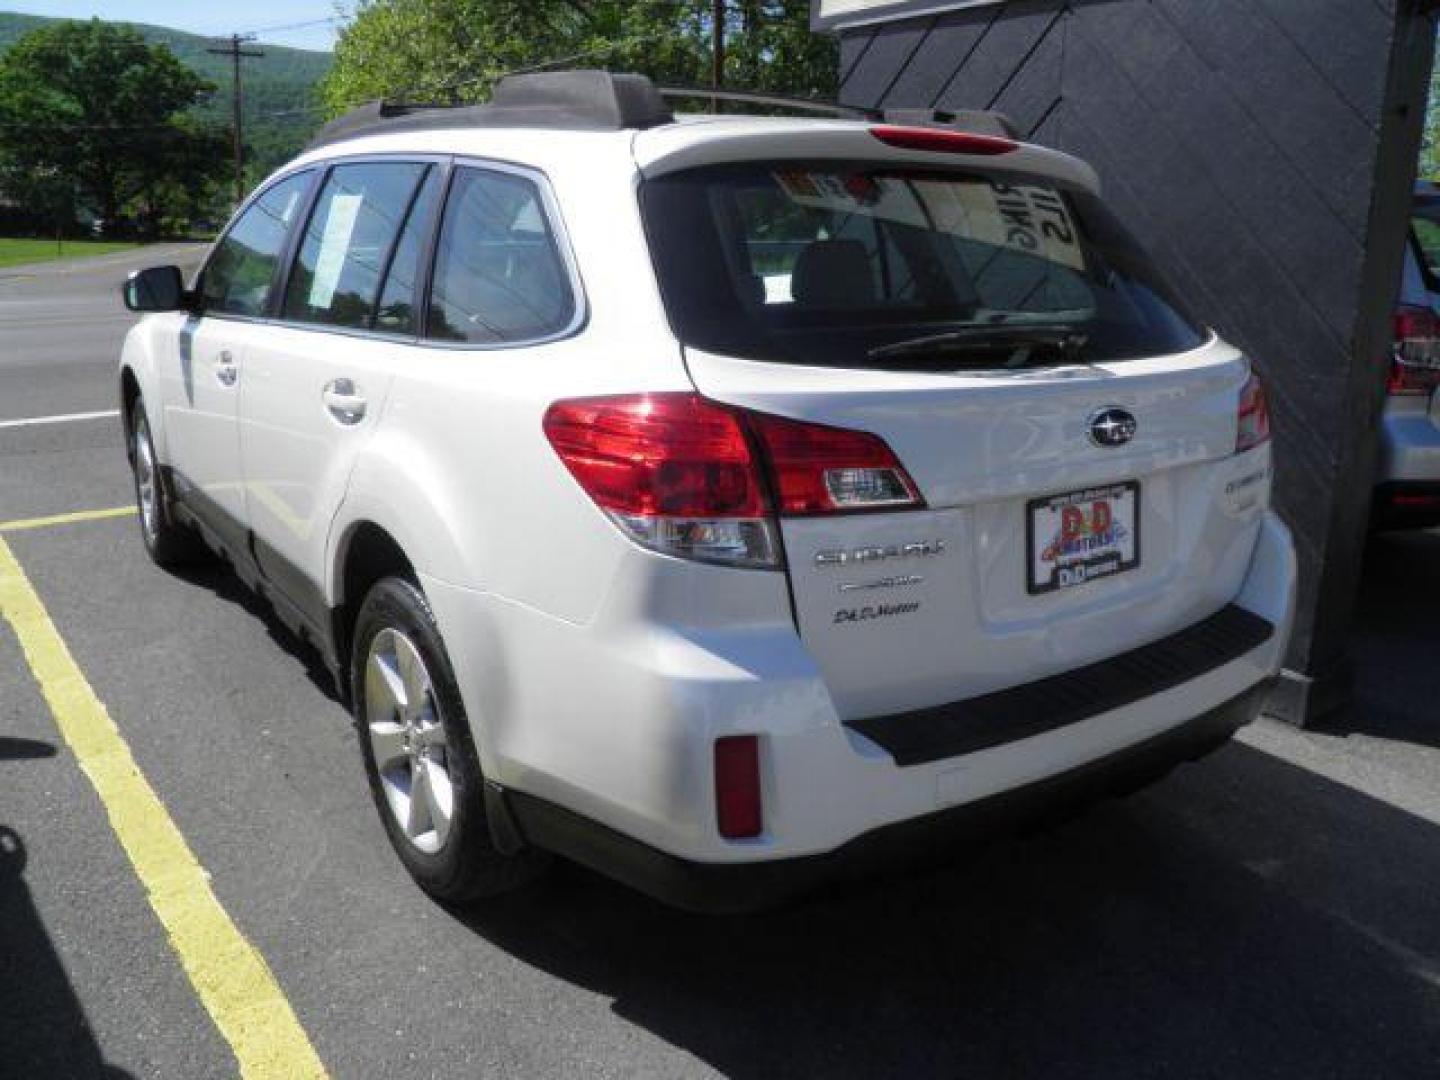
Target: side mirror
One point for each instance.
(156, 288)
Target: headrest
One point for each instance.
(832, 274)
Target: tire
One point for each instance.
(168, 542)
(415, 738)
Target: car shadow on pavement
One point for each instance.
(43, 1028)
(1244, 918)
(216, 575)
(1396, 642)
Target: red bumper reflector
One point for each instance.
(737, 786)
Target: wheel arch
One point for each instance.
(129, 394)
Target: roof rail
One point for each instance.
(755, 97)
(573, 100)
(603, 101)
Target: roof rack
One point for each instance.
(604, 101)
(573, 100)
(779, 101)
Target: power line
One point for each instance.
(297, 25)
(235, 50)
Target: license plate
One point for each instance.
(1082, 536)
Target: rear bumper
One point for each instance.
(614, 723)
(1409, 443)
(938, 837)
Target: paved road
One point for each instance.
(61, 325)
(1271, 911)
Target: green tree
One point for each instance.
(454, 50)
(90, 111)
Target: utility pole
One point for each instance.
(235, 50)
(717, 68)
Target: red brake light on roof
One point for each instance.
(943, 141)
(1415, 361)
(1253, 416)
(738, 812)
(688, 477)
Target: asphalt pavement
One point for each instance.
(1270, 911)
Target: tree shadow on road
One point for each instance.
(1245, 918)
(43, 1028)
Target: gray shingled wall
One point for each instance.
(1263, 150)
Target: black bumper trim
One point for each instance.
(1387, 514)
(964, 727)
(719, 888)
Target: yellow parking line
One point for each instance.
(231, 978)
(65, 519)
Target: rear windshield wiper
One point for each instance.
(1021, 342)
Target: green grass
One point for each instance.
(16, 252)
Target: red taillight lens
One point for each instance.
(737, 787)
(1253, 416)
(674, 471)
(682, 475)
(672, 454)
(940, 141)
(825, 470)
(1415, 362)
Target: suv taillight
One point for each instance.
(1415, 361)
(687, 477)
(1253, 416)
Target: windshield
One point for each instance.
(830, 264)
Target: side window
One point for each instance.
(396, 313)
(348, 241)
(498, 274)
(237, 279)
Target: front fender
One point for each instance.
(140, 358)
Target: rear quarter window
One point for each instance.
(499, 276)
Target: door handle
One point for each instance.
(225, 370)
(344, 401)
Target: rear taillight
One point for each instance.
(1253, 417)
(941, 141)
(687, 477)
(1415, 361)
(674, 471)
(826, 470)
(738, 813)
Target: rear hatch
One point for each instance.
(1069, 432)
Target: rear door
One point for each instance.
(1071, 430)
(317, 383)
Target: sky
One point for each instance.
(275, 19)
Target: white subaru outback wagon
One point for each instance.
(720, 501)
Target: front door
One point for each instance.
(203, 376)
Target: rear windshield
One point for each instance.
(823, 264)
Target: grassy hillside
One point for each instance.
(281, 82)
